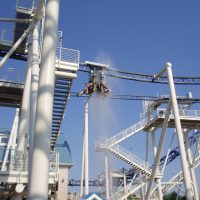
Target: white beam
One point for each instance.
(41, 146)
(184, 163)
(159, 150)
(86, 150)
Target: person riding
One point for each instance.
(95, 85)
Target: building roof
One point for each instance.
(92, 196)
(62, 146)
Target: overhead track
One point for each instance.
(181, 80)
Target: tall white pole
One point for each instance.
(25, 107)
(82, 165)
(39, 177)
(15, 134)
(125, 189)
(184, 163)
(34, 91)
(154, 154)
(34, 84)
(86, 150)
(190, 160)
(107, 178)
(144, 188)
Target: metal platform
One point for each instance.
(190, 119)
(10, 93)
(9, 37)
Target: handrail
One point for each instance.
(182, 112)
(126, 133)
(131, 157)
(18, 161)
(68, 55)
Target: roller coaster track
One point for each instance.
(181, 80)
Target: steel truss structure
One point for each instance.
(146, 180)
(51, 70)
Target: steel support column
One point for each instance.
(25, 107)
(82, 165)
(191, 168)
(34, 91)
(159, 150)
(39, 177)
(107, 178)
(158, 180)
(184, 163)
(86, 150)
(34, 85)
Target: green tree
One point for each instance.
(173, 196)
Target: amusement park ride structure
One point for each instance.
(51, 70)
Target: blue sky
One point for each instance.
(136, 36)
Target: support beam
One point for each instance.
(23, 21)
(34, 91)
(191, 167)
(41, 146)
(154, 154)
(184, 163)
(86, 150)
(159, 150)
(25, 107)
(82, 165)
(157, 76)
(107, 178)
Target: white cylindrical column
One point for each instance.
(125, 189)
(86, 150)
(39, 177)
(154, 154)
(82, 165)
(34, 85)
(190, 160)
(184, 163)
(15, 134)
(25, 107)
(107, 177)
(160, 193)
(34, 91)
(158, 151)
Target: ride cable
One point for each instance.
(180, 100)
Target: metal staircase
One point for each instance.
(123, 135)
(128, 157)
(67, 65)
